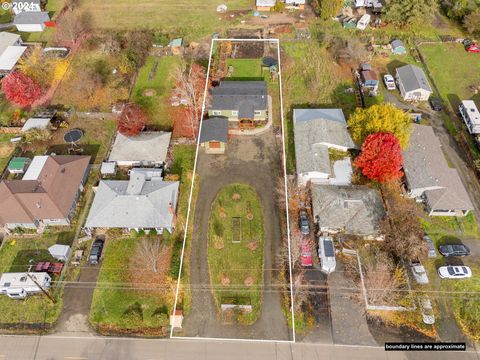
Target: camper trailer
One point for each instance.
(19, 285)
(363, 22)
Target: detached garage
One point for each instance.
(214, 135)
(31, 21)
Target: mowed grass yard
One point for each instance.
(235, 249)
(154, 94)
(246, 68)
(454, 71)
(16, 255)
(194, 18)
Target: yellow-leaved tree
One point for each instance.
(37, 66)
(60, 69)
(380, 118)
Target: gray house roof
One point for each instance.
(147, 146)
(356, 210)
(7, 39)
(137, 203)
(314, 131)
(214, 129)
(31, 18)
(425, 167)
(243, 96)
(413, 78)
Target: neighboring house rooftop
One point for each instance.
(413, 78)
(356, 210)
(47, 190)
(36, 123)
(136, 203)
(314, 131)
(425, 167)
(265, 3)
(31, 18)
(7, 39)
(10, 57)
(243, 96)
(148, 146)
(214, 129)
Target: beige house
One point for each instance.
(214, 135)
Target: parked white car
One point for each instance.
(454, 272)
(419, 273)
(427, 311)
(389, 82)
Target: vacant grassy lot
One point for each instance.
(16, 255)
(193, 18)
(235, 248)
(455, 71)
(153, 89)
(122, 305)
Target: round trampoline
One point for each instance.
(73, 136)
(269, 61)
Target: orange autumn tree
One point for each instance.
(190, 84)
(381, 158)
(132, 120)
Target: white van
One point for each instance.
(326, 253)
(363, 22)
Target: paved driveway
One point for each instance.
(77, 299)
(253, 160)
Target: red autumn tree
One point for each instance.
(132, 120)
(190, 85)
(381, 158)
(20, 89)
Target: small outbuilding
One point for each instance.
(265, 5)
(31, 21)
(60, 252)
(398, 48)
(36, 123)
(214, 135)
(413, 83)
(108, 168)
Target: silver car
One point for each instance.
(419, 273)
(427, 311)
(431, 248)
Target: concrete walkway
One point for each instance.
(259, 130)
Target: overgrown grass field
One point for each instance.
(160, 85)
(236, 268)
(193, 18)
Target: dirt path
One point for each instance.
(254, 161)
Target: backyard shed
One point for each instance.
(31, 21)
(60, 252)
(108, 168)
(36, 123)
(18, 165)
(398, 48)
(214, 135)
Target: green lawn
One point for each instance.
(161, 84)
(454, 70)
(191, 18)
(16, 255)
(235, 249)
(5, 16)
(6, 150)
(246, 68)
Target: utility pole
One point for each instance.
(40, 287)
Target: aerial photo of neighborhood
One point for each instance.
(239, 179)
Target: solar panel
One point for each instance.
(328, 247)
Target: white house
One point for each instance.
(11, 50)
(413, 83)
(317, 132)
(19, 285)
(470, 115)
(31, 21)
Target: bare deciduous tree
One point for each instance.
(150, 253)
(72, 26)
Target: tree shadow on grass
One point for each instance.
(393, 65)
(25, 258)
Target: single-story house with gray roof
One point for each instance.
(149, 148)
(317, 133)
(135, 204)
(31, 21)
(265, 5)
(214, 135)
(413, 83)
(353, 210)
(245, 102)
(429, 178)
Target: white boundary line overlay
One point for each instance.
(192, 186)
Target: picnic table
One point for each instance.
(42, 266)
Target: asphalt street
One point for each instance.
(54, 347)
